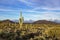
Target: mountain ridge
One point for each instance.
(45, 22)
(38, 21)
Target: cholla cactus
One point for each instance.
(21, 20)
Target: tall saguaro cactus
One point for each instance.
(21, 20)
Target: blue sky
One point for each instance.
(31, 9)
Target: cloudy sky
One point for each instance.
(31, 9)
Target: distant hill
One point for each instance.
(44, 22)
(39, 21)
(32, 21)
(6, 21)
(25, 21)
(57, 21)
(28, 21)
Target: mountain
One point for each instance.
(28, 21)
(25, 21)
(31, 21)
(6, 21)
(45, 22)
(15, 20)
(57, 21)
(39, 21)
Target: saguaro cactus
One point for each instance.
(21, 20)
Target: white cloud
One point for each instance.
(43, 3)
(2, 9)
(45, 16)
(27, 3)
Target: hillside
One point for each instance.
(6, 21)
(35, 22)
(44, 22)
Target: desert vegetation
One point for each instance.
(12, 31)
